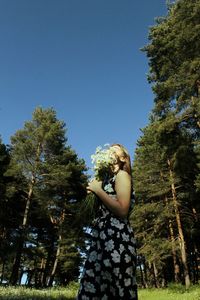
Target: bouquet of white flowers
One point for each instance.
(102, 160)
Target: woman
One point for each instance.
(109, 271)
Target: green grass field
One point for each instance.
(172, 293)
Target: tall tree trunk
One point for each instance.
(29, 277)
(53, 272)
(196, 256)
(16, 266)
(48, 263)
(179, 226)
(141, 274)
(2, 271)
(172, 238)
(196, 260)
(42, 268)
(174, 256)
(145, 275)
(155, 273)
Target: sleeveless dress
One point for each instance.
(109, 271)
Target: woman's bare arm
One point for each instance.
(119, 205)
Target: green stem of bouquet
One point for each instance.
(91, 205)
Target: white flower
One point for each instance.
(95, 233)
(129, 270)
(110, 231)
(99, 256)
(106, 145)
(89, 287)
(102, 235)
(107, 262)
(127, 258)
(109, 245)
(117, 223)
(108, 188)
(131, 248)
(93, 243)
(98, 245)
(100, 224)
(97, 266)
(116, 271)
(121, 248)
(103, 287)
(90, 272)
(130, 230)
(121, 292)
(98, 279)
(115, 256)
(102, 159)
(107, 275)
(125, 237)
(127, 281)
(133, 240)
(85, 297)
(113, 178)
(93, 256)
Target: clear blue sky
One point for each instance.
(83, 58)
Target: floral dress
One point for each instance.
(109, 271)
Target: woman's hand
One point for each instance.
(94, 186)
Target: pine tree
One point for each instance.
(54, 176)
(164, 172)
(151, 213)
(173, 53)
(174, 62)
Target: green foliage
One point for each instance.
(48, 183)
(166, 165)
(174, 56)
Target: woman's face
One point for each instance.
(118, 154)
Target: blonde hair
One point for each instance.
(126, 164)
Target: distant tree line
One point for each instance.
(42, 182)
(166, 167)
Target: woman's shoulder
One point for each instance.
(123, 175)
(123, 178)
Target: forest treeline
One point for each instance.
(42, 180)
(166, 167)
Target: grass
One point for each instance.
(23, 293)
(173, 292)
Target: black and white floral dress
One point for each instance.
(109, 271)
